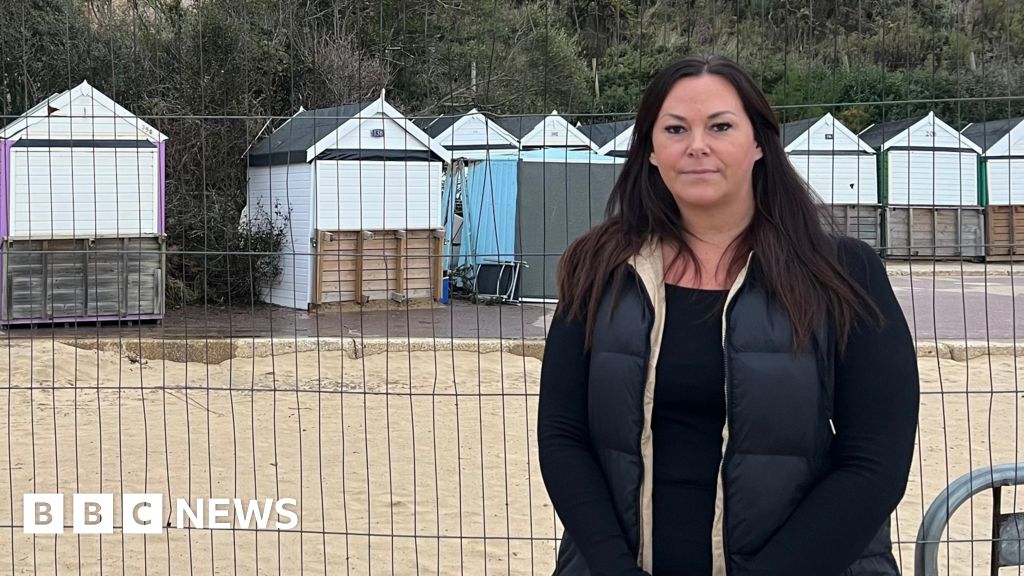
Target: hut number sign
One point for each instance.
(377, 133)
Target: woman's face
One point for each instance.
(704, 144)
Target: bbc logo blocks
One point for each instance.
(92, 513)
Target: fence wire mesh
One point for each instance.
(266, 250)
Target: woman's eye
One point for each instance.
(721, 127)
(674, 129)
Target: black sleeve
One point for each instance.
(572, 476)
(876, 408)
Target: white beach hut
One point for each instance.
(360, 188)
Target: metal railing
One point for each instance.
(1006, 528)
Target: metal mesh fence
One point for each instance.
(265, 250)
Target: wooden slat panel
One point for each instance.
(350, 267)
(348, 264)
(337, 275)
(360, 250)
(377, 244)
(76, 278)
(863, 222)
(340, 285)
(1005, 227)
(349, 276)
(369, 254)
(438, 248)
(376, 284)
(426, 284)
(412, 293)
(400, 265)
(934, 232)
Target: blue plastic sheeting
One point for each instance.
(489, 192)
(448, 217)
(489, 211)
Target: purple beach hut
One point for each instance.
(81, 213)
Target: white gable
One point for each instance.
(618, 144)
(82, 113)
(1015, 144)
(931, 132)
(1011, 144)
(360, 136)
(555, 132)
(399, 133)
(828, 134)
(475, 129)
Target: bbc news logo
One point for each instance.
(142, 513)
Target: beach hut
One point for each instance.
(472, 136)
(841, 169)
(928, 181)
(522, 210)
(359, 189)
(545, 131)
(611, 138)
(1002, 177)
(838, 165)
(82, 212)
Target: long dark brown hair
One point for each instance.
(795, 252)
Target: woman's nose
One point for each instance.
(698, 147)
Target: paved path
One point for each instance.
(941, 301)
(972, 307)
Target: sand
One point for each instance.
(439, 476)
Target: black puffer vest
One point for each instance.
(778, 421)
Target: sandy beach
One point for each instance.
(401, 462)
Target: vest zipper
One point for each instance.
(725, 371)
(640, 518)
(640, 490)
(737, 284)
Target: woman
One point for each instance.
(712, 267)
